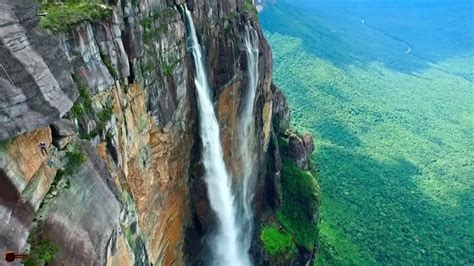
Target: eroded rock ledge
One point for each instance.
(35, 75)
(288, 233)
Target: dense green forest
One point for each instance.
(392, 117)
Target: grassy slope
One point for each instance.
(394, 140)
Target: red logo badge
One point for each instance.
(10, 256)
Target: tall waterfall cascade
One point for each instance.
(225, 246)
(246, 136)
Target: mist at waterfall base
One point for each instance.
(231, 240)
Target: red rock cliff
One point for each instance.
(114, 102)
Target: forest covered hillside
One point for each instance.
(386, 88)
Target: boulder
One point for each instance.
(62, 142)
(63, 128)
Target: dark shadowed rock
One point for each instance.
(62, 131)
(63, 128)
(308, 143)
(281, 111)
(273, 180)
(61, 142)
(132, 35)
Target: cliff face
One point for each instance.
(34, 72)
(288, 233)
(121, 181)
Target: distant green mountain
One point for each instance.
(389, 98)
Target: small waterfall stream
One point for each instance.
(225, 246)
(246, 136)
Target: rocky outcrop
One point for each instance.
(281, 111)
(300, 149)
(35, 80)
(62, 132)
(289, 179)
(273, 180)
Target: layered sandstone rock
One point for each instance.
(35, 81)
(25, 178)
(139, 197)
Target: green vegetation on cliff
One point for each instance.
(42, 251)
(249, 7)
(83, 104)
(74, 160)
(277, 242)
(393, 132)
(83, 109)
(300, 204)
(297, 216)
(63, 16)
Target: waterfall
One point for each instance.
(246, 133)
(225, 246)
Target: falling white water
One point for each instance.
(225, 246)
(246, 134)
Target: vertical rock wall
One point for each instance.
(137, 195)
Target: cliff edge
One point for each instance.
(100, 159)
